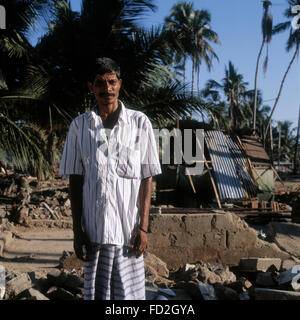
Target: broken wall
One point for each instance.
(222, 238)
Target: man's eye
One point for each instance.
(112, 82)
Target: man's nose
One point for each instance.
(107, 86)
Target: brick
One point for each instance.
(259, 264)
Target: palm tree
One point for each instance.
(233, 87)
(202, 34)
(19, 142)
(267, 25)
(179, 22)
(292, 42)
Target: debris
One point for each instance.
(273, 294)
(259, 264)
(17, 285)
(207, 291)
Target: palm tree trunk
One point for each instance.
(296, 145)
(280, 89)
(193, 77)
(184, 75)
(255, 84)
(198, 82)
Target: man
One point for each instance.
(110, 157)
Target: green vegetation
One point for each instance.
(43, 88)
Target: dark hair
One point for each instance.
(104, 65)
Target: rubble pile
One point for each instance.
(253, 279)
(30, 203)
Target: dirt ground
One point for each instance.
(36, 249)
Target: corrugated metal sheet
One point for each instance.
(232, 178)
(241, 169)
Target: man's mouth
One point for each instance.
(106, 95)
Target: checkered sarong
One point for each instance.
(113, 274)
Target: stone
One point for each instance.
(207, 291)
(74, 281)
(69, 261)
(192, 289)
(287, 264)
(57, 277)
(57, 293)
(273, 294)
(157, 264)
(33, 294)
(225, 293)
(17, 285)
(265, 279)
(240, 286)
(259, 264)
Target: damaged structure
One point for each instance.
(238, 174)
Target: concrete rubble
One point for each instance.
(239, 263)
(197, 281)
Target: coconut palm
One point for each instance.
(233, 87)
(202, 35)
(179, 22)
(266, 27)
(293, 42)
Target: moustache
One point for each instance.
(104, 95)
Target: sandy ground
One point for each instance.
(34, 249)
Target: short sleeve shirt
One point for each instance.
(112, 170)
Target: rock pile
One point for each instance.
(253, 279)
(31, 203)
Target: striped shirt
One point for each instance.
(112, 167)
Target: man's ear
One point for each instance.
(120, 80)
(90, 85)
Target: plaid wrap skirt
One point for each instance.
(114, 274)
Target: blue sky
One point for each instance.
(238, 24)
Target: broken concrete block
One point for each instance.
(33, 294)
(57, 277)
(272, 294)
(259, 264)
(287, 264)
(225, 293)
(57, 293)
(74, 281)
(17, 285)
(157, 264)
(265, 279)
(5, 239)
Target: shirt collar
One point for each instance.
(123, 116)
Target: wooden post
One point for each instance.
(210, 175)
(296, 145)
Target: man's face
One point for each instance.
(106, 88)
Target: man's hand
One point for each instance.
(139, 242)
(80, 241)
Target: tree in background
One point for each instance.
(266, 28)
(293, 42)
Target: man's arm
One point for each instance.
(80, 239)
(145, 201)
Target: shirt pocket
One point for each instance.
(128, 163)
